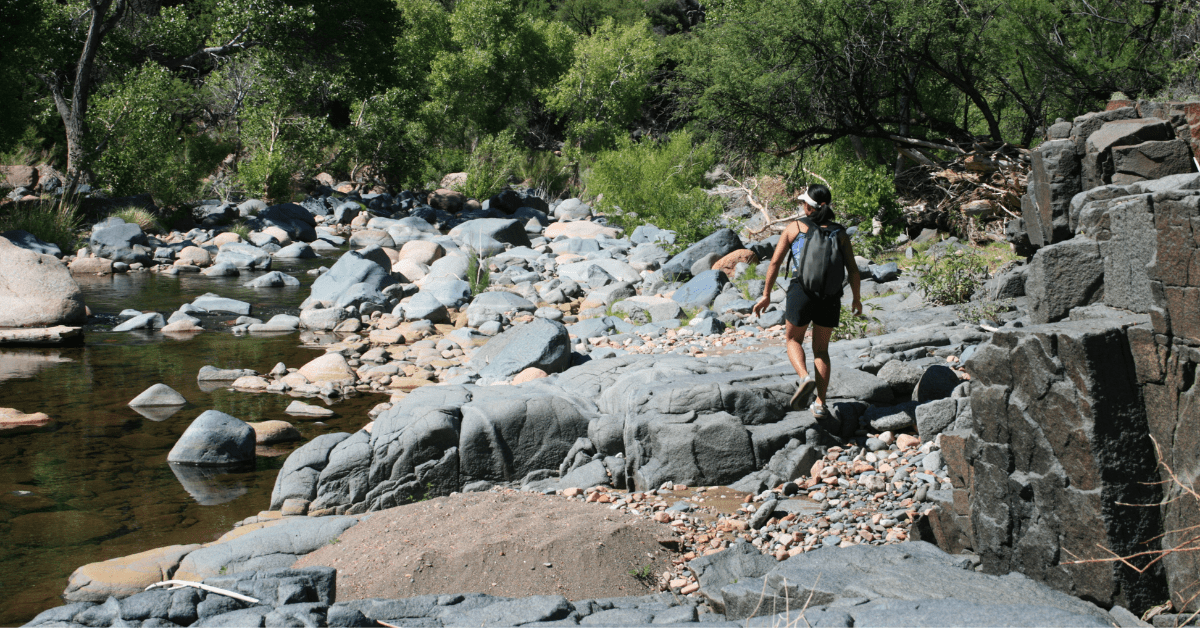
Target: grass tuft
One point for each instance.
(57, 222)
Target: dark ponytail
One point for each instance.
(820, 194)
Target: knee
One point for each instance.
(822, 354)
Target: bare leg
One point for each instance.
(820, 347)
(794, 341)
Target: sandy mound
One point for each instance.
(499, 544)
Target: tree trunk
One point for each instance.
(104, 17)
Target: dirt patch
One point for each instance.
(509, 544)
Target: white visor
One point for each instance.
(808, 199)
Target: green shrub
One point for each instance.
(141, 217)
(478, 275)
(658, 183)
(57, 222)
(976, 313)
(862, 193)
(543, 170)
(952, 278)
(241, 230)
(495, 159)
(852, 327)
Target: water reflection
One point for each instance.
(28, 363)
(157, 413)
(211, 486)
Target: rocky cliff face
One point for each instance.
(1087, 420)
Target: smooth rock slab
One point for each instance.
(213, 303)
(214, 438)
(150, 320)
(125, 576)
(299, 408)
(276, 546)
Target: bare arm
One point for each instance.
(781, 250)
(852, 273)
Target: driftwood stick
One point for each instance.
(178, 584)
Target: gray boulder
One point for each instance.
(506, 434)
(1054, 180)
(489, 306)
(370, 266)
(150, 320)
(158, 395)
(213, 303)
(702, 290)
(937, 382)
(488, 236)
(243, 255)
(296, 250)
(541, 343)
(425, 306)
(323, 319)
(120, 241)
(1063, 276)
(292, 218)
(892, 418)
(273, 279)
(722, 243)
(448, 291)
(214, 438)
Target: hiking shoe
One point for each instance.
(819, 411)
(803, 392)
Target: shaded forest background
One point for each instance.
(190, 99)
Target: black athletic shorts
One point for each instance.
(804, 307)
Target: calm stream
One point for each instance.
(99, 486)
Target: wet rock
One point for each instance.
(214, 438)
(150, 320)
(274, 279)
(213, 303)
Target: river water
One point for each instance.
(98, 486)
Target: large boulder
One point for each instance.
(214, 438)
(1057, 469)
(488, 236)
(541, 343)
(243, 255)
(293, 219)
(702, 290)
(36, 290)
(120, 241)
(722, 243)
(489, 306)
(1064, 276)
(370, 266)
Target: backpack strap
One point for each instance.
(787, 261)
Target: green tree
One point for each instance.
(498, 59)
(607, 82)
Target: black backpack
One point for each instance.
(820, 268)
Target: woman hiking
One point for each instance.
(820, 248)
